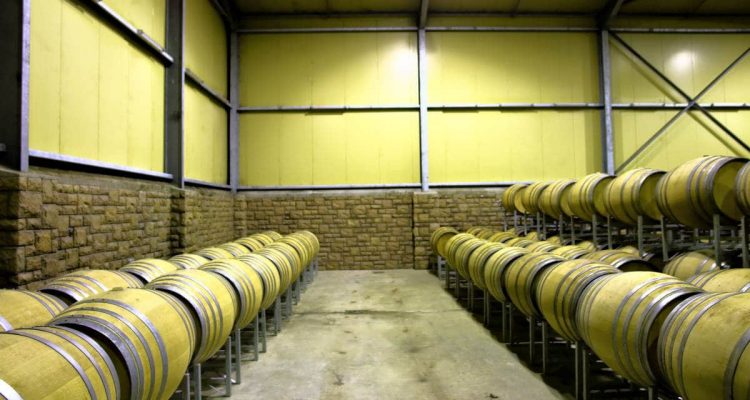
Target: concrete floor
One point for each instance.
(385, 335)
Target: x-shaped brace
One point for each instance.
(692, 101)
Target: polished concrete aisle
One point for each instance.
(385, 335)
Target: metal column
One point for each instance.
(234, 100)
(605, 86)
(174, 150)
(15, 29)
(422, 60)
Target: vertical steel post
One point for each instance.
(15, 29)
(422, 82)
(234, 100)
(605, 92)
(174, 94)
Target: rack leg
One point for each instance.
(487, 308)
(503, 317)
(470, 295)
(545, 346)
(578, 374)
(289, 300)
(717, 238)
(532, 340)
(277, 316)
(256, 338)
(264, 331)
(197, 377)
(609, 233)
(594, 223)
(186, 387)
(572, 231)
(743, 242)
(639, 235)
(237, 356)
(664, 239)
(228, 367)
(584, 371)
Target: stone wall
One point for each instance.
(207, 219)
(356, 229)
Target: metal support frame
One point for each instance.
(205, 89)
(174, 94)
(692, 102)
(424, 8)
(15, 29)
(423, 132)
(234, 118)
(605, 90)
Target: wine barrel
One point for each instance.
(268, 274)
(475, 230)
(313, 240)
(687, 265)
(291, 255)
(247, 284)
(55, 363)
(235, 249)
(742, 189)
(620, 315)
(559, 291)
(703, 350)
(250, 243)
(79, 285)
(24, 309)
(494, 270)
(264, 238)
(518, 200)
(621, 260)
(188, 261)
(478, 259)
(509, 196)
(300, 246)
(570, 252)
(542, 247)
(694, 192)
(149, 335)
(531, 197)
(556, 240)
(452, 245)
(724, 280)
(552, 198)
(587, 245)
(286, 270)
(521, 280)
(439, 237)
(149, 269)
(214, 253)
(533, 236)
(212, 301)
(501, 237)
(274, 235)
(630, 250)
(586, 196)
(463, 253)
(632, 194)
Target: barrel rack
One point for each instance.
(245, 344)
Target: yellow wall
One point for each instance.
(206, 44)
(321, 149)
(92, 94)
(691, 61)
(328, 69)
(206, 132)
(146, 15)
(205, 138)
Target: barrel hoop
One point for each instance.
(94, 281)
(88, 355)
(64, 354)
(45, 302)
(8, 392)
(195, 304)
(5, 324)
(181, 311)
(220, 316)
(700, 266)
(71, 290)
(734, 360)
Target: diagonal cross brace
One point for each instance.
(692, 102)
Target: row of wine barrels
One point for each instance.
(586, 196)
(25, 309)
(478, 260)
(542, 247)
(148, 269)
(214, 253)
(494, 270)
(269, 276)
(188, 261)
(247, 284)
(521, 280)
(725, 280)
(555, 200)
(212, 302)
(623, 261)
(64, 364)
(235, 249)
(532, 195)
(633, 194)
(149, 336)
(79, 285)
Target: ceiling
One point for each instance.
(659, 7)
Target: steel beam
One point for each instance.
(540, 29)
(15, 30)
(423, 132)
(609, 12)
(605, 94)
(234, 121)
(513, 106)
(367, 29)
(210, 185)
(331, 187)
(680, 30)
(679, 90)
(125, 28)
(86, 164)
(424, 7)
(678, 106)
(191, 77)
(332, 108)
(690, 105)
(174, 94)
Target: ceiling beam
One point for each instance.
(423, 11)
(609, 12)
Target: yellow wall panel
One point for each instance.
(92, 94)
(327, 149)
(692, 136)
(206, 44)
(491, 67)
(206, 144)
(492, 146)
(690, 61)
(146, 15)
(325, 69)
